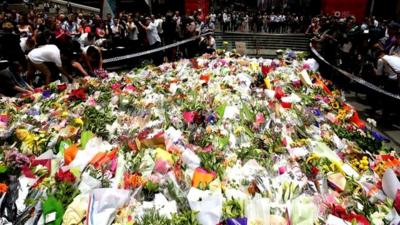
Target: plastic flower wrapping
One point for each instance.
(213, 140)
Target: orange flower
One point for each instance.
(70, 153)
(133, 181)
(3, 188)
(202, 178)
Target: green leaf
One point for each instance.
(85, 137)
(221, 110)
(52, 205)
(3, 168)
(248, 132)
(223, 141)
(247, 113)
(63, 145)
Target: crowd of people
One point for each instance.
(369, 49)
(248, 21)
(41, 48)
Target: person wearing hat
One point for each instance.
(153, 38)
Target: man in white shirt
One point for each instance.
(45, 54)
(158, 22)
(389, 66)
(153, 39)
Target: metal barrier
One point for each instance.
(353, 77)
(148, 52)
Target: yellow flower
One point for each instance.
(22, 134)
(64, 114)
(78, 121)
(341, 114)
(238, 130)
(312, 157)
(335, 105)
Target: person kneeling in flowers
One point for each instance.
(39, 58)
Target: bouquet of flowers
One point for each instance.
(219, 139)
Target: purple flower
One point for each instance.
(211, 118)
(33, 112)
(379, 137)
(237, 221)
(16, 159)
(46, 94)
(317, 112)
(292, 54)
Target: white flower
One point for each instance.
(377, 218)
(371, 122)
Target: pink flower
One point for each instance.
(189, 116)
(4, 118)
(116, 86)
(92, 101)
(260, 119)
(161, 166)
(282, 170)
(130, 87)
(306, 67)
(208, 148)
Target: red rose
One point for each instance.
(396, 203)
(78, 94)
(266, 69)
(143, 135)
(286, 105)
(279, 93)
(38, 90)
(65, 176)
(339, 211)
(314, 171)
(61, 87)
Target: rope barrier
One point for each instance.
(148, 52)
(353, 77)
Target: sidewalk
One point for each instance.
(361, 104)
